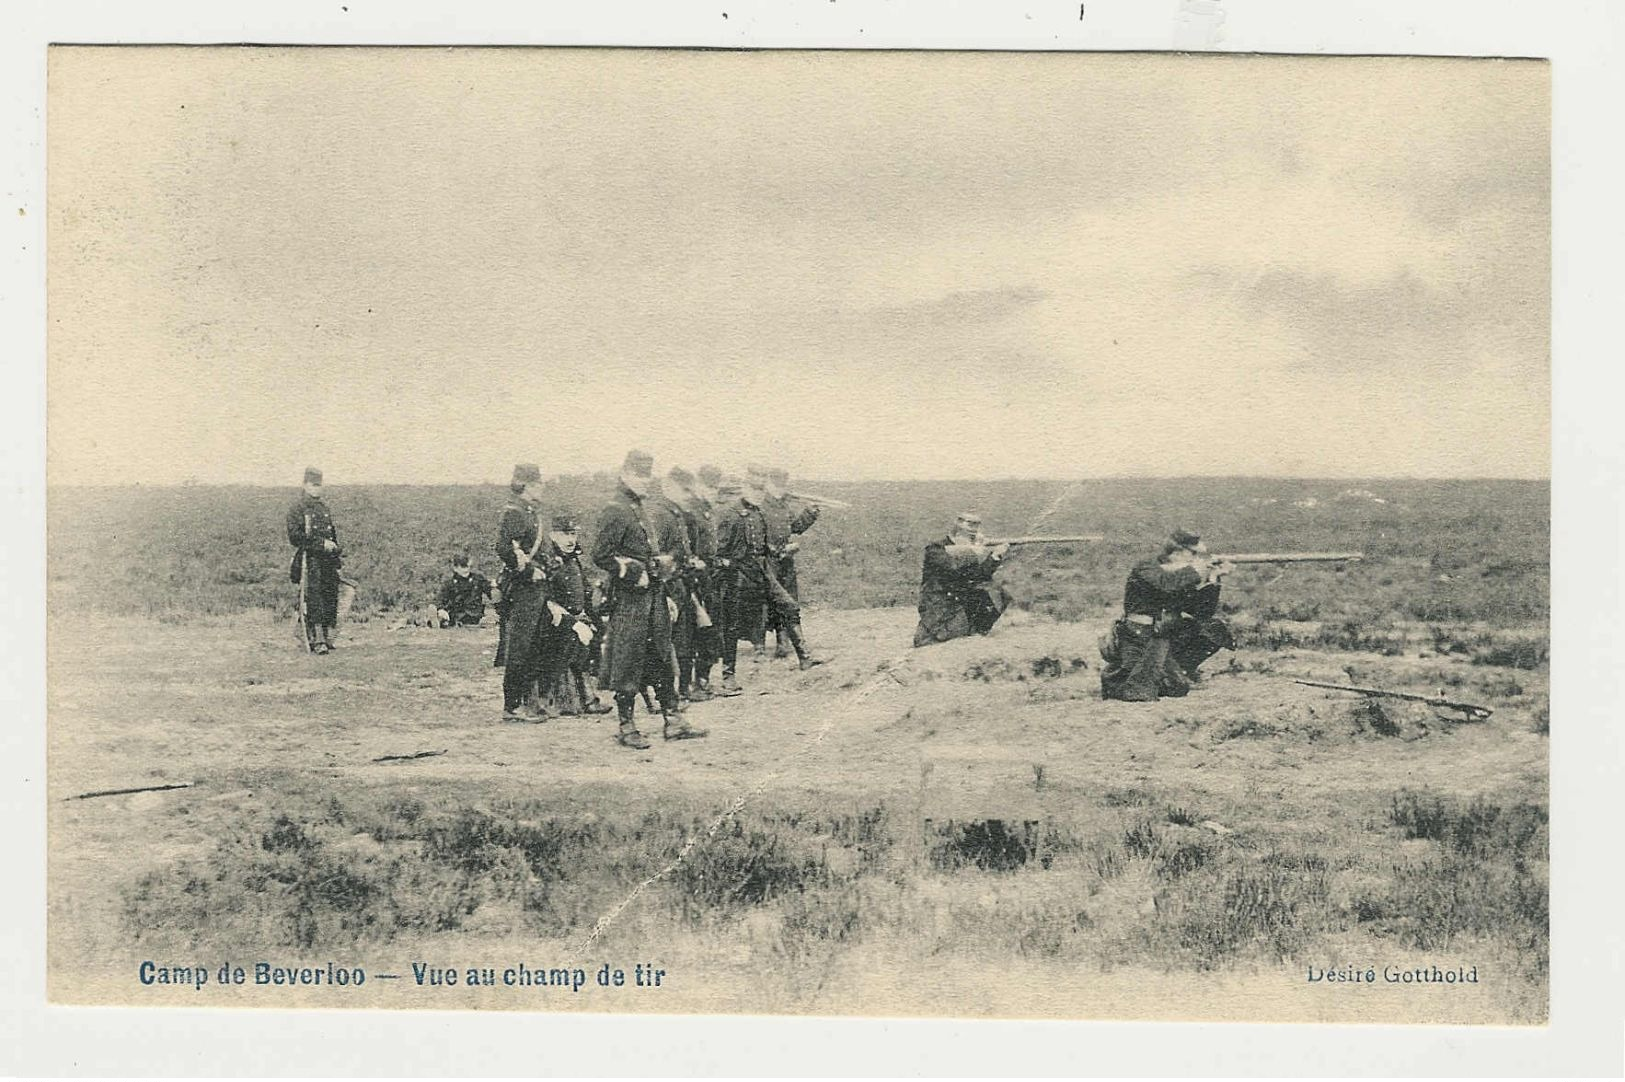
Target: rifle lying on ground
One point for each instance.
(1016, 542)
(1472, 711)
(1287, 557)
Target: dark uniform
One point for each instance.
(315, 567)
(706, 647)
(958, 596)
(463, 599)
(565, 658)
(524, 596)
(637, 538)
(672, 520)
(1168, 628)
(742, 589)
(784, 523)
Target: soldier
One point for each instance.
(694, 618)
(463, 596)
(738, 591)
(668, 505)
(743, 537)
(785, 521)
(316, 562)
(708, 631)
(524, 583)
(958, 596)
(639, 546)
(571, 626)
(1168, 627)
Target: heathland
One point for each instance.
(962, 828)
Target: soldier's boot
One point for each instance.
(780, 650)
(729, 686)
(805, 657)
(534, 710)
(628, 737)
(589, 700)
(685, 667)
(328, 635)
(676, 726)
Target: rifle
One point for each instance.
(1472, 711)
(1288, 557)
(304, 589)
(1014, 542)
(822, 501)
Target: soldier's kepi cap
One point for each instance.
(526, 472)
(638, 464)
(1184, 539)
(681, 476)
(969, 518)
(564, 523)
(313, 476)
(709, 476)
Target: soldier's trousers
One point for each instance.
(563, 656)
(522, 632)
(321, 588)
(1194, 641)
(1139, 665)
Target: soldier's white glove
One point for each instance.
(443, 616)
(643, 580)
(696, 563)
(557, 611)
(671, 609)
(584, 632)
(329, 546)
(999, 551)
(792, 547)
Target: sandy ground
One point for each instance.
(1008, 725)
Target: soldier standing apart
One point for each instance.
(463, 597)
(571, 626)
(524, 585)
(638, 546)
(1168, 627)
(316, 562)
(765, 584)
(958, 596)
(785, 522)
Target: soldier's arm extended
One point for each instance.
(803, 520)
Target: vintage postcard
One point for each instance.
(832, 533)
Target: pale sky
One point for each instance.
(424, 265)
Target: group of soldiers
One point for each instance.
(1169, 625)
(695, 564)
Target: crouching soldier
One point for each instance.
(958, 596)
(638, 545)
(317, 559)
(571, 626)
(1168, 627)
(463, 597)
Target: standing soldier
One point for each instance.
(524, 583)
(1168, 626)
(571, 626)
(708, 630)
(958, 596)
(785, 521)
(668, 506)
(639, 546)
(738, 589)
(316, 562)
(760, 584)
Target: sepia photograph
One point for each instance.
(799, 532)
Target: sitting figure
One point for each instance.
(463, 597)
(1168, 627)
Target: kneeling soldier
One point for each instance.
(958, 596)
(1168, 627)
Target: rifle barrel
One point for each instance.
(1076, 539)
(1472, 709)
(813, 497)
(1290, 557)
